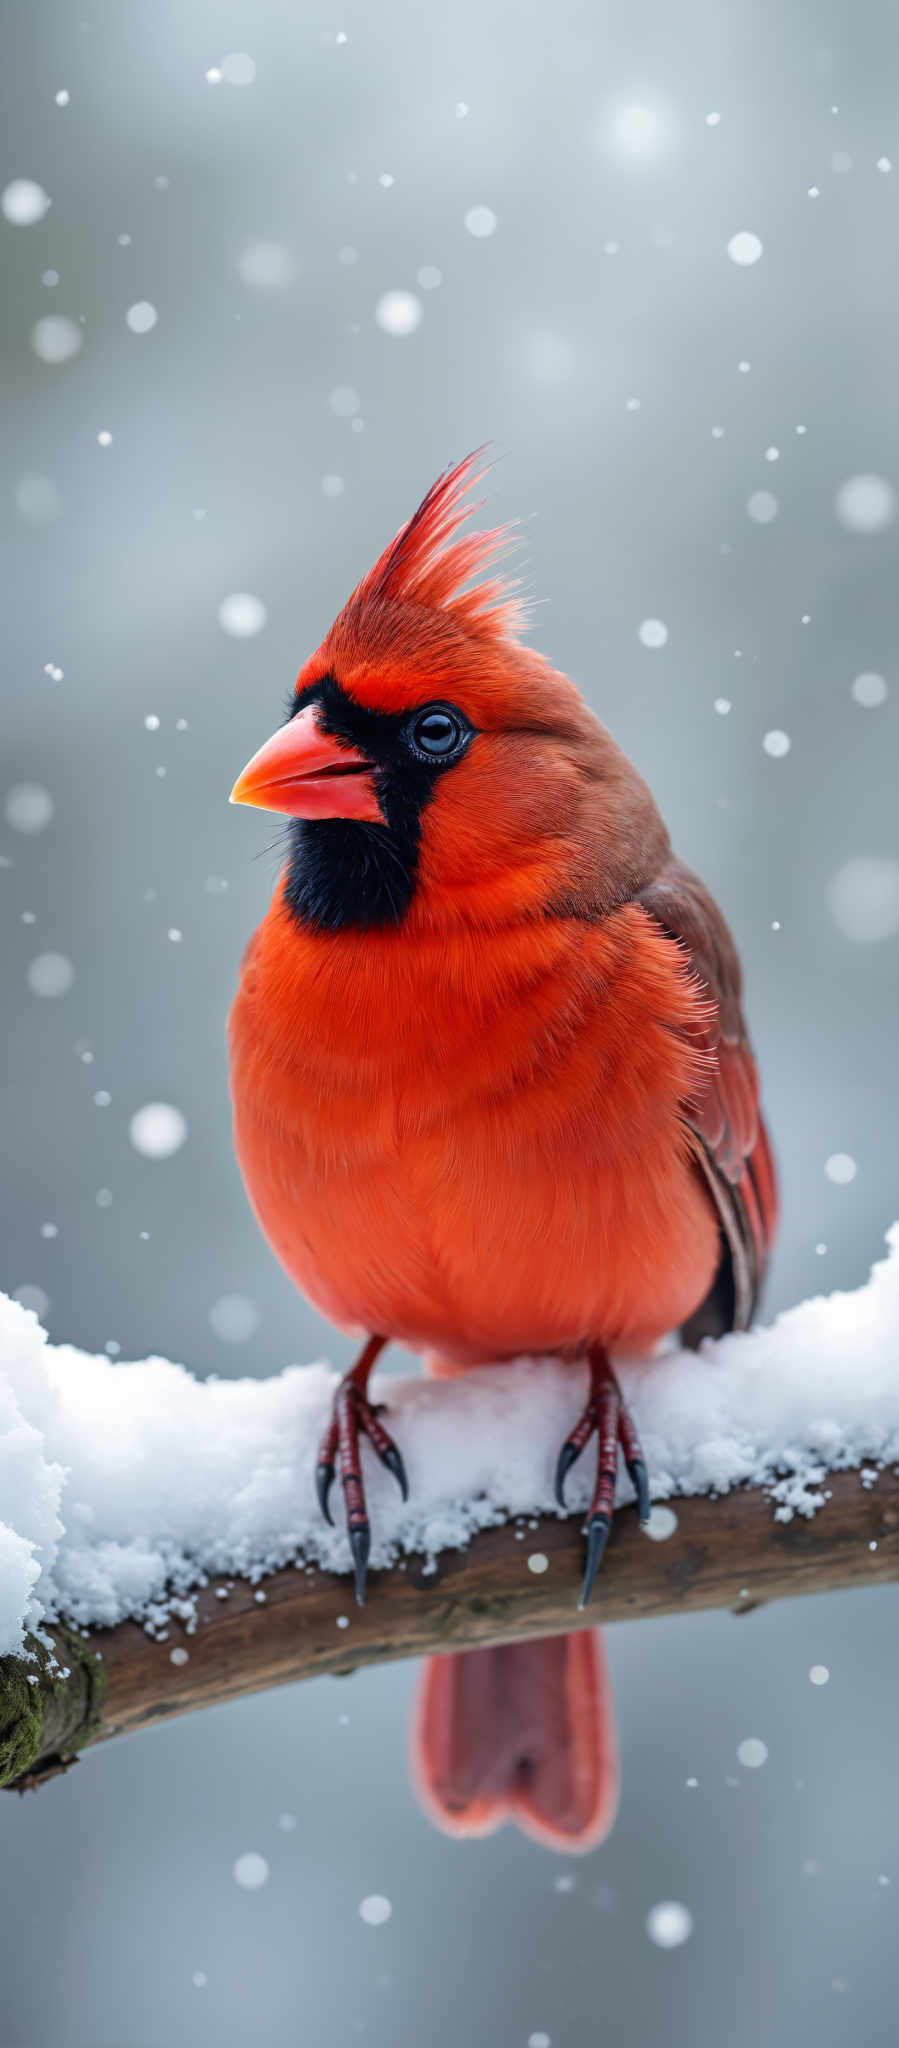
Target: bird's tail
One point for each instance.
(523, 1732)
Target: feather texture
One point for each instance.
(425, 565)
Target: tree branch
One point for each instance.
(723, 1553)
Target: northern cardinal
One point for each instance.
(492, 1087)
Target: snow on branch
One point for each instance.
(510, 1584)
(126, 1489)
(123, 1488)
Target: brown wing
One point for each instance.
(733, 1150)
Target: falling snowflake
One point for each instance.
(24, 202)
(870, 690)
(375, 1910)
(752, 1753)
(29, 807)
(242, 615)
(669, 1924)
(840, 1168)
(56, 339)
(237, 68)
(744, 248)
(50, 974)
(652, 633)
(141, 317)
(398, 312)
(865, 504)
(480, 222)
(157, 1130)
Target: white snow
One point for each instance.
(481, 221)
(56, 338)
(157, 1130)
(744, 248)
(241, 615)
(752, 1753)
(398, 312)
(652, 633)
(669, 1923)
(375, 1909)
(28, 807)
(762, 506)
(141, 317)
(123, 1487)
(50, 974)
(777, 744)
(662, 1524)
(250, 1871)
(870, 690)
(24, 202)
(865, 504)
(238, 69)
(840, 1168)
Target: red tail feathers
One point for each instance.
(524, 1732)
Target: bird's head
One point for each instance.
(433, 768)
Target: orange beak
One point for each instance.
(305, 773)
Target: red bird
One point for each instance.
(493, 1092)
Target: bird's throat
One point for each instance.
(343, 874)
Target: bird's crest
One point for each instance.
(425, 565)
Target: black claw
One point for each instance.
(324, 1480)
(640, 1483)
(360, 1544)
(567, 1455)
(597, 1531)
(391, 1458)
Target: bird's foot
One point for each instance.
(352, 1417)
(607, 1416)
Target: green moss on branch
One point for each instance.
(51, 1704)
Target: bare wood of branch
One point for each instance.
(723, 1553)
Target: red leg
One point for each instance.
(352, 1418)
(607, 1415)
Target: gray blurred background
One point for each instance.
(687, 438)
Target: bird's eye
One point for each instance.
(437, 732)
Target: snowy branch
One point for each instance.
(508, 1584)
(135, 1498)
